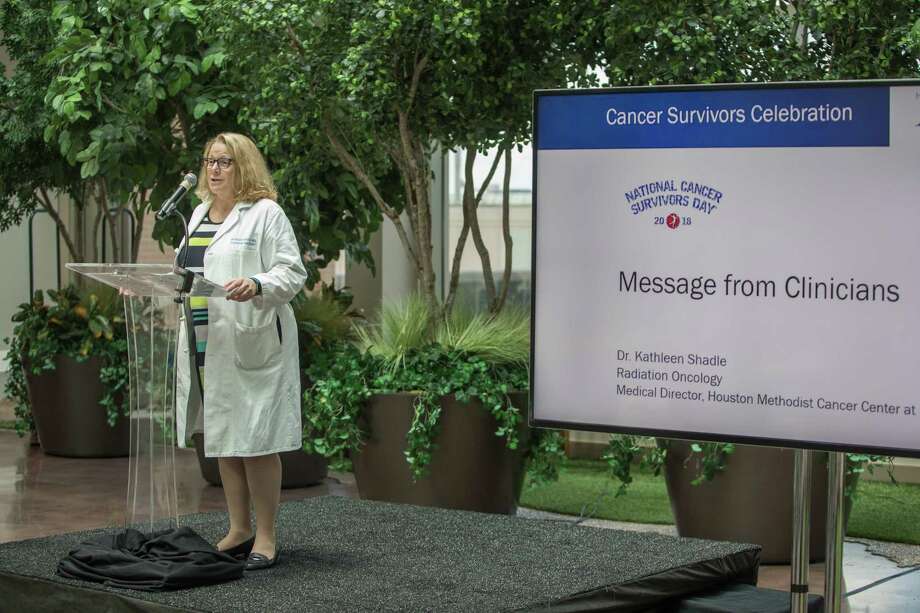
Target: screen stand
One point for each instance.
(833, 564)
(798, 592)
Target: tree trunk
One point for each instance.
(140, 206)
(113, 218)
(471, 217)
(75, 253)
(464, 234)
(97, 225)
(506, 232)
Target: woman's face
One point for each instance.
(220, 180)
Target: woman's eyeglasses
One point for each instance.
(222, 163)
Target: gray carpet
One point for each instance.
(340, 554)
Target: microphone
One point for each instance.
(188, 182)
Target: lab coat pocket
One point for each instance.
(256, 347)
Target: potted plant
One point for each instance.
(431, 416)
(723, 491)
(68, 373)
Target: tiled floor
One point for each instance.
(42, 495)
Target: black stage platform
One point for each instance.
(340, 554)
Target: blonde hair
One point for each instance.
(251, 181)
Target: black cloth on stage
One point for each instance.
(155, 562)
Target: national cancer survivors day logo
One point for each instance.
(673, 203)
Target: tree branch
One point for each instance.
(352, 164)
(110, 217)
(62, 228)
(140, 200)
(416, 163)
(461, 240)
(485, 184)
(411, 165)
(113, 105)
(184, 123)
(506, 231)
(416, 78)
(471, 217)
(97, 224)
(455, 268)
(296, 45)
(410, 156)
(411, 208)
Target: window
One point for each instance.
(471, 291)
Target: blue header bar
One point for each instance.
(759, 117)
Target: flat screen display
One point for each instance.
(733, 263)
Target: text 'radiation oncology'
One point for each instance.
(805, 287)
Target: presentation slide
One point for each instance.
(733, 262)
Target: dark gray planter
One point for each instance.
(471, 469)
(68, 417)
(751, 501)
(298, 469)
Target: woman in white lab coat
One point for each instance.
(238, 375)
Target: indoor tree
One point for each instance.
(111, 102)
(378, 86)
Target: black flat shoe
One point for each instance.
(242, 550)
(258, 561)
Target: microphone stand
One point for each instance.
(187, 276)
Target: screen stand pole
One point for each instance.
(800, 532)
(833, 561)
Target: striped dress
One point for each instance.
(198, 242)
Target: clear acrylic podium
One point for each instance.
(153, 300)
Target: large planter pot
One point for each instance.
(750, 501)
(471, 469)
(68, 417)
(298, 469)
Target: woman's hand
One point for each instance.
(240, 290)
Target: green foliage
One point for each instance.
(119, 96)
(858, 463)
(695, 41)
(135, 95)
(723, 41)
(710, 459)
(409, 324)
(546, 454)
(502, 339)
(27, 163)
(324, 317)
(859, 40)
(340, 384)
(625, 451)
(404, 327)
(78, 324)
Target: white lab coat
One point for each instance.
(251, 380)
